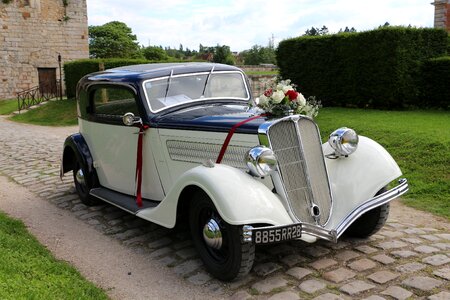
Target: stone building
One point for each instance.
(442, 14)
(32, 35)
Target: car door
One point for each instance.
(113, 145)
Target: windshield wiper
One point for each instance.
(168, 84)
(206, 81)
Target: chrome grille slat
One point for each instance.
(297, 145)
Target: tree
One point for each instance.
(113, 39)
(259, 55)
(154, 53)
(347, 30)
(222, 54)
(315, 31)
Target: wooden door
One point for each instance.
(47, 80)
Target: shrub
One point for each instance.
(436, 82)
(378, 68)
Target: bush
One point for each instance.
(378, 68)
(436, 82)
(75, 70)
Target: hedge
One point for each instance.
(378, 68)
(74, 70)
(436, 82)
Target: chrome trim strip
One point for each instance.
(333, 234)
(196, 100)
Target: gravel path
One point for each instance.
(410, 257)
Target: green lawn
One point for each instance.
(418, 140)
(53, 113)
(29, 271)
(8, 106)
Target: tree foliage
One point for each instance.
(154, 53)
(314, 31)
(259, 55)
(113, 40)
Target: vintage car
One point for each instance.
(164, 140)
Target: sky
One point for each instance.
(241, 24)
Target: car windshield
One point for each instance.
(174, 90)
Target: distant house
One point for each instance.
(32, 35)
(442, 14)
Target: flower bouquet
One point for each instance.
(282, 99)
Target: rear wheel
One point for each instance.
(218, 243)
(370, 222)
(83, 186)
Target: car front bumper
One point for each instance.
(276, 234)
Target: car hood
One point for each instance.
(219, 118)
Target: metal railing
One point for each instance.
(37, 95)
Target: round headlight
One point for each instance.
(261, 161)
(344, 141)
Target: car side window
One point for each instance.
(113, 102)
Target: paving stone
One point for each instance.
(288, 295)
(269, 284)
(411, 267)
(241, 295)
(188, 267)
(397, 292)
(430, 237)
(442, 246)
(311, 286)
(266, 268)
(127, 234)
(366, 249)
(328, 296)
(293, 259)
(282, 249)
(436, 260)
(374, 297)
(323, 263)
(384, 259)
(336, 246)
(316, 251)
(440, 296)
(362, 265)
(182, 244)
(199, 278)
(392, 245)
(414, 231)
(339, 275)
(445, 236)
(160, 243)
(403, 253)
(241, 282)
(168, 260)
(392, 234)
(187, 253)
(422, 283)
(426, 249)
(298, 273)
(382, 277)
(356, 287)
(160, 252)
(443, 273)
(347, 255)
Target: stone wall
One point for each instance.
(442, 14)
(32, 34)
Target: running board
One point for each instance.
(123, 201)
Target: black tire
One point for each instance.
(234, 258)
(84, 186)
(370, 222)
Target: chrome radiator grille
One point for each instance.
(200, 152)
(298, 148)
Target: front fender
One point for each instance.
(238, 197)
(76, 148)
(358, 177)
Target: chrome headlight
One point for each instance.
(344, 141)
(261, 161)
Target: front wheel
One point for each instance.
(370, 222)
(83, 185)
(218, 243)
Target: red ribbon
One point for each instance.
(138, 178)
(230, 135)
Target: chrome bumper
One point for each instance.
(334, 234)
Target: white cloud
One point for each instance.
(241, 24)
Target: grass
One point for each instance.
(29, 271)
(8, 106)
(53, 113)
(418, 140)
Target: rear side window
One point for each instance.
(114, 101)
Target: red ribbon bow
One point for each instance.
(138, 178)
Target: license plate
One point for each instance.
(269, 235)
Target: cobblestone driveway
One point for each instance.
(400, 262)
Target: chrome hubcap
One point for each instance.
(80, 177)
(212, 234)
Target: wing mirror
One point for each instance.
(130, 119)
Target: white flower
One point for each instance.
(277, 96)
(262, 100)
(287, 88)
(301, 99)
